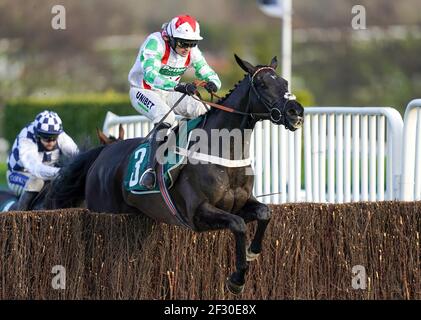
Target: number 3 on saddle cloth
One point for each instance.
(174, 162)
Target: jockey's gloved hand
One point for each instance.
(211, 87)
(187, 88)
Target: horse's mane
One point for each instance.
(220, 101)
(236, 85)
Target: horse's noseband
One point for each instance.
(276, 114)
(289, 96)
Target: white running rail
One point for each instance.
(411, 163)
(352, 154)
(134, 126)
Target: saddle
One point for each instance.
(173, 160)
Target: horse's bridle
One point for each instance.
(275, 111)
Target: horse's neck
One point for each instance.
(233, 123)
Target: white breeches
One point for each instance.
(155, 104)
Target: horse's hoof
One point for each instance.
(233, 287)
(250, 256)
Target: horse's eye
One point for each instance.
(262, 85)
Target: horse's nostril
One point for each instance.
(299, 122)
(292, 112)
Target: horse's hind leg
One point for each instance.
(208, 218)
(255, 210)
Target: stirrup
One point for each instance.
(147, 185)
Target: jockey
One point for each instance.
(34, 153)
(154, 80)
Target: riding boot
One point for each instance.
(25, 201)
(148, 178)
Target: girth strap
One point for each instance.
(167, 198)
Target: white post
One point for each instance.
(408, 151)
(331, 157)
(322, 157)
(356, 158)
(380, 157)
(282, 9)
(258, 156)
(347, 158)
(315, 156)
(364, 158)
(307, 159)
(339, 158)
(287, 41)
(372, 150)
(283, 162)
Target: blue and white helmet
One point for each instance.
(48, 123)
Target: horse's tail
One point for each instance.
(68, 189)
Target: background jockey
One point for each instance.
(154, 79)
(36, 150)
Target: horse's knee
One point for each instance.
(264, 213)
(238, 225)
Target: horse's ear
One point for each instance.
(120, 132)
(102, 137)
(274, 62)
(246, 66)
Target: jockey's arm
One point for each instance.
(67, 145)
(28, 152)
(202, 70)
(151, 57)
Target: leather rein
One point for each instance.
(274, 113)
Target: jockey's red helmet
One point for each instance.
(184, 27)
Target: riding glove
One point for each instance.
(187, 88)
(211, 87)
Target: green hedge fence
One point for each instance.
(80, 114)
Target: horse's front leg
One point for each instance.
(207, 218)
(255, 210)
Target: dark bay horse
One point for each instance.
(8, 200)
(209, 196)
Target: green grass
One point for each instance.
(3, 168)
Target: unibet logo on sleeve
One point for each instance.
(172, 71)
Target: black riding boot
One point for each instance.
(148, 178)
(25, 200)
